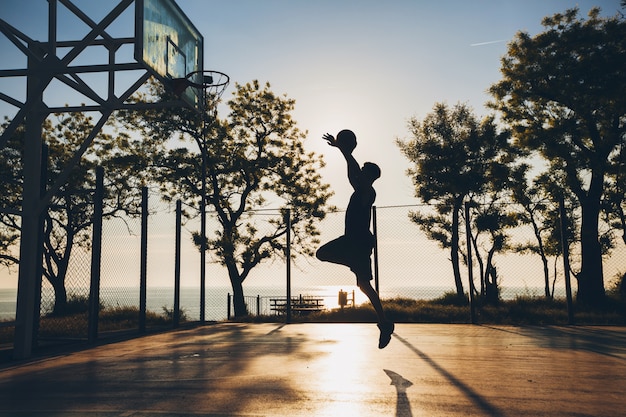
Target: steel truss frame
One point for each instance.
(43, 66)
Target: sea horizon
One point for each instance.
(216, 297)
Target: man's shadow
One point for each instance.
(403, 406)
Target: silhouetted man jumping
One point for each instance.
(354, 248)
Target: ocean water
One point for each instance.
(216, 299)
(257, 298)
(8, 298)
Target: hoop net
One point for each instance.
(211, 85)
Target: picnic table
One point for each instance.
(302, 304)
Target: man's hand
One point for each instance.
(354, 170)
(331, 140)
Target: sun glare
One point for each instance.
(336, 369)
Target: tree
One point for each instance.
(540, 210)
(533, 205)
(10, 201)
(489, 219)
(454, 154)
(254, 158)
(562, 94)
(69, 215)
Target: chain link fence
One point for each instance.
(407, 265)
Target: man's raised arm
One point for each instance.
(354, 170)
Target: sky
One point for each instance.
(364, 65)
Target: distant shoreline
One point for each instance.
(216, 297)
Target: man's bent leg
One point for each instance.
(337, 251)
(367, 289)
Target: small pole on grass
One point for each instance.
(177, 254)
(288, 259)
(470, 272)
(375, 227)
(143, 272)
(96, 257)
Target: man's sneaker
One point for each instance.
(386, 329)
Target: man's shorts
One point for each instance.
(354, 252)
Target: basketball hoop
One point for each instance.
(212, 83)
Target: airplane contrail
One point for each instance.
(487, 43)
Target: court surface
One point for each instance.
(232, 369)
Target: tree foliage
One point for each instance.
(455, 158)
(255, 159)
(540, 210)
(69, 215)
(562, 95)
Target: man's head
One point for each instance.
(371, 171)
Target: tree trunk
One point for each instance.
(544, 258)
(239, 303)
(481, 267)
(454, 251)
(492, 293)
(60, 296)
(591, 290)
(60, 262)
(546, 275)
(57, 280)
(236, 282)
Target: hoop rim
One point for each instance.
(210, 84)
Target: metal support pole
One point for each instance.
(30, 261)
(203, 239)
(288, 261)
(45, 154)
(143, 279)
(470, 272)
(96, 257)
(43, 65)
(566, 266)
(375, 227)
(177, 253)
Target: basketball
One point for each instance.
(346, 140)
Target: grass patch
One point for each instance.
(447, 309)
(110, 319)
(74, 325)
(453, 309)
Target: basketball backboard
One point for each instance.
(169, 45)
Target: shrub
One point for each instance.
(76, 304)
(451, 298)
(169, 314)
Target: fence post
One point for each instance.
(375, 227)
(470, 272)
(143, 281)
(228, 306)
(96, 257)
(566, 266)
(203, 245)
(258, 305)
(43, 186)
(288, 259)
(176, 312)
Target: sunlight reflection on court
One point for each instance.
(341, 372)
